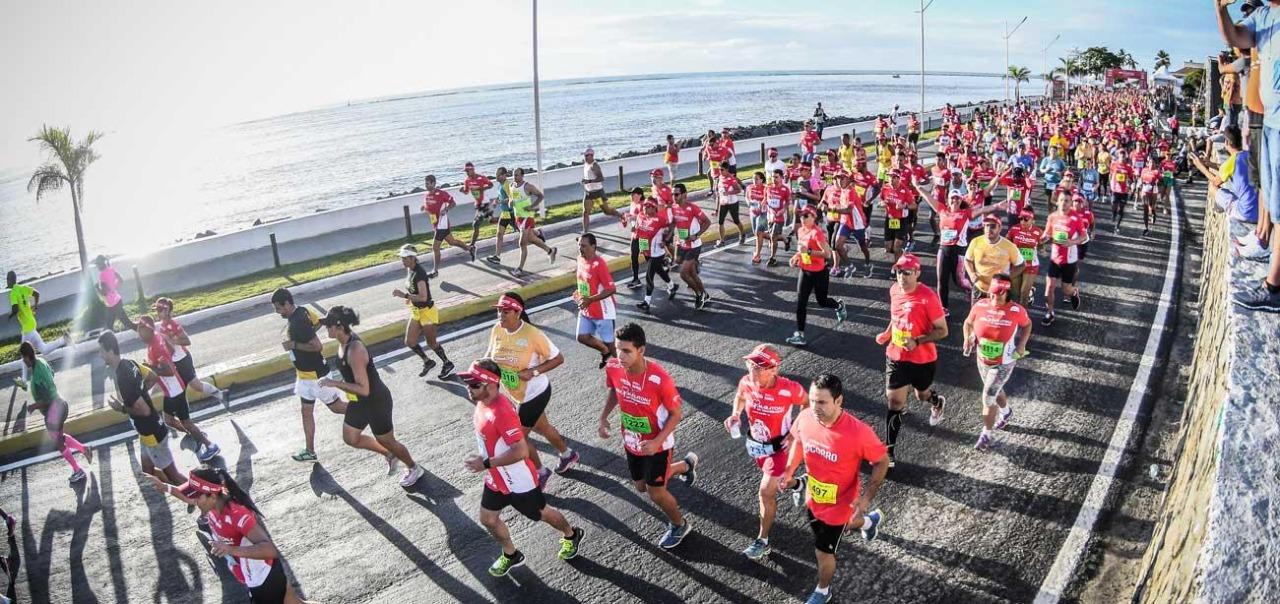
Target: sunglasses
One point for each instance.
(473, 385)
(898, 272)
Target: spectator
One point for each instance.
(819, 119)
(1260, 30)
(1229, 183)
(1230, 87)
(1254, 245)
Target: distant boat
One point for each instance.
(896, 76)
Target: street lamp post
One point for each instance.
(537, 107)
(923, 7)
(1008, 33)
(1046, 73)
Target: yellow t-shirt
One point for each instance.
(992, 259)
(1104, 162)
(846, 157)
(515, 351)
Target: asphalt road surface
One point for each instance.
(961, 526)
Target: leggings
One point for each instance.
(635, 259)
(816, 283)
(11, 563)
(949, 259)
(117, 313)
(656, 267)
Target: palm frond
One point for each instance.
(46, 179)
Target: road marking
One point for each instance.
(1064, 566)
(381, 359)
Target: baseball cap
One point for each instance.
(340, 315)
(408, 250)
(765, 356)
(656, 172)
(589, 151)
(992, 219)
(475, 374)
(163, 302)
(908, 262)
(807, 211)
(508, 303)
(1026, 214)
(196, 486)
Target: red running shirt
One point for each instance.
(832, 458)
(594, 277)
(497, 426)
(1059, 229)
(769, 409)
(955, 226)
(897, 201)
(1027, 241)
(649, 230)
(232, 525)
(645, 402)
(685, 219)
(911, 315)
(777, 200)
(810, 248)
(173, 329)
(809, 141)
(994, 327)
(434, 202)
(475, 186)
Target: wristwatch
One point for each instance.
(486, 463)
(536, 373)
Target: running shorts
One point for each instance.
(186, 370)
(775, 228)
(590, 195)
(54, 416)
(507, 221)
(760, 223)
(178, 407)
(311, 391)
(373, 412)
(899, 234)
(1066, 273)
(826, 537)
(273, 588)
(600, 328)
(773, 465)
(526, 224)
(899, 374)
(847, 233)
(533, 408)
(529, 503)
(159, 453)
(686, 254)
(439, 223)
(651, 469)
(1148, 189)
(994, 377)
(1119, 198)
(425, 316)
(729, 210)
(1168, 182)
(484, 213)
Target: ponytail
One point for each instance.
(234, 492)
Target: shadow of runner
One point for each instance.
(322, 483)
(104, 479)
(171, 582)
(1006, 579)
(641, 590)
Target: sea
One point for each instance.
(224, 179)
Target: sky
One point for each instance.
(138, 70)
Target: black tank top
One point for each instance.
(378, 391)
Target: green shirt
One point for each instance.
(43, 390)
(21, 296)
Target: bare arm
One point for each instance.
(937, 334)
(1234, 34)
(262, 548)
(610, 401)
(313, 346)
(517, 452)
(358, 360)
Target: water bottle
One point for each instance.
(735, 430)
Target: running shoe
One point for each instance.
(412, 476)
(553, 253)
(787, 243)
(936, 411)
(757, 550)
(209, 452)
(742, 241)
(1145, 231)
(911, 246)
(567, 462)
(1004, 417)
(842, 313)
(446, 370)
(818, 597)
(1258, 298)
(505, 563)
(515, 272)
(893, 461)
(569, 545)
(772, 262)
(604, 360)
(719, 243)
(869, 532)
(690, 475)
(1075, 301)
(672, 289)
(305, 455)
(674, 535)
(634, 284)
(471, 249)
(544, 474)
(643, 306)
(427, 365)
(1250, 248)
(871, 269)
(77, 476)
(985, 442)
(393, 463)
(1047, 320)
(701, 301)
(433, 274)
(493, 259)
(797, 494)
(797, 339)
(755, 259)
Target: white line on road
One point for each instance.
(1064, 566)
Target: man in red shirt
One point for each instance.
(689, 222)
(994, 323)
(898, 198)
(509, 476)
(649, 406)
(916, 321)
(1064, 232)
(809, 140)
(768, 399)
(177, 412)
(833, 444)
(594, 297)
(1029, 238)
(1122, 176)
(436, 203)
(476, 185)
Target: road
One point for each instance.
(961, 525)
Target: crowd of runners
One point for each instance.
(969, 202)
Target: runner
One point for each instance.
(773, 164)
(651, 230)
(509, 475)
(1168, 174)
(777, 207)
(108, 288)
(525, 355)
(45, 399)
(689, 223)
(845, 203)
(1029, 239)
(714, 153)
(593, 190)
(811, 258)
(991, 255)
(1149, 193)
(23, 302)
(634, 211)
(177, 339)
(525, 201)
(303, 346)
(423, 314)
(1121, 175)
(898, 198)
(809, 140)
(954, 241)
(916, 321)
(913, 130)
(992, 325)
(436, 203)
(372, 405)
(832, 443)
(177, 412)
(672, 157)
(1065, 233)
(649, 405)
(727, 197)
(767, 398)
(506, 217)
(235, 533)
(476, 185)
(594, 296)
(132, 384)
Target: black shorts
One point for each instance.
(590, 195)
(186, 369)
(729, 210)
(508, 221)
(891, 234)
(373, 412)
(904, 373)
(484, 213)
(652, 469)
(686, 254)
(178, 407)
(1066, 273)
(826, 537)
(1119, 198)
(528, 503)
(273, 588)
(533, 408)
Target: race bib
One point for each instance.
(1120, 177)
(1028, 253)
(759, 450)
(950, 236)
(775, 202)
(1168, 175)
(584, 289)
(639, 425)
(1016, 195)
(990, 350)
(644, 246)
(1060, 237)
(148, 440)
(900, 337)
(895, 223)
(833, 216)
(805, 258)
(682, 234)
(510, 378)
(477, 194)
(822, 492)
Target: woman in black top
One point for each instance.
(372, 405)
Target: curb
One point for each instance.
(257, 370)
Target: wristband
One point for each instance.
(486, 463)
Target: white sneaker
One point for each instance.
(1250, 248)
(411, 477)
(393, 464)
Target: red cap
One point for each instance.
(764, 356)
(1026, 214)
(992, 219)
(476, 373)
(999, 286)
(808, 211)
(508, 303)
(195, 486)
(656, 172)
(908, 262)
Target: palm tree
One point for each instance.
(67, 162)
(1069, 67)
(1018, 75)
(1162, 60)
(1127, 59)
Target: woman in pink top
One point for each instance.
(109, 293)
